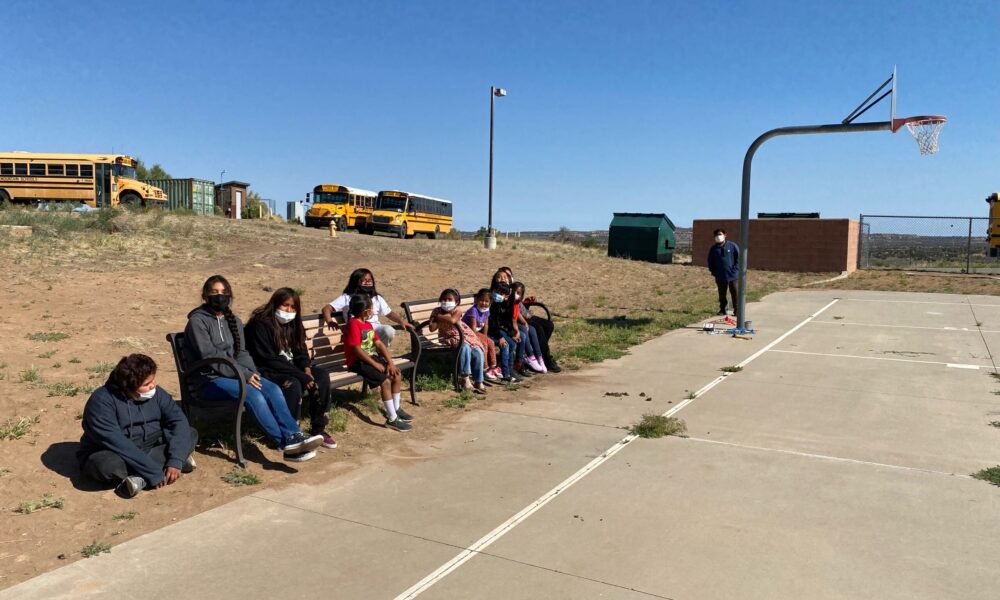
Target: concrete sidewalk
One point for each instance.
(835, 465)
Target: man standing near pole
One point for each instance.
(724, 264)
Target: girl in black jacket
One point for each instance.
(276, 340)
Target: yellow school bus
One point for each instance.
(99, 180)
(406, 215)
(346, 206)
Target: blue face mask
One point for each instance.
(497, 297)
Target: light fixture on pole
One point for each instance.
(491, 238)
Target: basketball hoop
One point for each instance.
(925, 130)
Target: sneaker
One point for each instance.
(525, 372)
(402, 415)
(398, 424)
(300, 456)
(512, 380)
(328, 441)
(535, 364)
(299, 443)
(189, 465)
(721, 313)
(490, 374)
(132, 485)
(552, 366)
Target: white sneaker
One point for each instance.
(132, 485)
(535, 364)
(189, 465)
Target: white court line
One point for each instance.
(906, 360)
(825, 457)
(958, 329)
(917, 302)
(482, 543)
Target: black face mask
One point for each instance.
(366, 289)
(218, 302)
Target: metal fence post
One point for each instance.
(861, 240)
(968, 250)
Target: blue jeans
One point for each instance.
(470, 361)
(267, 405)
(505, 354)
(529, 342)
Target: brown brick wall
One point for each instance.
(806, 245)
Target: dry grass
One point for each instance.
(908, 281)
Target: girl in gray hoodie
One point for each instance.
(214, 331)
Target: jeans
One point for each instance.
(529, 342)
(470, 361)
(544, 328)
(505, 354)
(267, 405)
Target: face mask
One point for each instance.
(719, 239)
(218, 302)
(147, 395)
(483, 309)
(284, 317)
(448, 305)
(517, 297)
(366, 289)
(497, 297)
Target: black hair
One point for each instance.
(500, 287)
(354, 282)
(718, 231)
(506, 270)
(481, 294)
(130, 373)
(359, 304)
(451, 292)
(517, 285)
(498, 276)
(230, 317)
(287, 337)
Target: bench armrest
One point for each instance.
(548, 315)
(205, 362)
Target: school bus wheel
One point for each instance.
(129, 199)
(341, 224)
(4, 197)
(402, 230)
(434, 234)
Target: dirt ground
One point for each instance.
(113, 294)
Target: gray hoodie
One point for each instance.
(208, 336)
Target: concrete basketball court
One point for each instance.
(835, 465)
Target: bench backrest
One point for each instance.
(182, 354)
(419, 311)
(325, 344)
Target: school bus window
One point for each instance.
(6, 168)
(72, 170)
(20, 168)
(55, 170)
(36, 169)
(86, 171)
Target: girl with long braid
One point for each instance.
(214, 331)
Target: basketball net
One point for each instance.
(926, 132)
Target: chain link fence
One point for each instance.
(947, 244)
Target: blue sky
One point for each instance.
(612, 106)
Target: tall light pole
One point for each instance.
(491, 238)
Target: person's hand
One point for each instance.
(517, 337)
(254, 380)
(408, 326)
(503, 342)
(393, 370)
(170, 475)
(380, 367)
(331, 324)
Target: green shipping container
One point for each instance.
(642, 236)
(194, 194)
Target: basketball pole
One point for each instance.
(745, 195)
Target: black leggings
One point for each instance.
(723, 286)
(319, 399)
(544, 327)
(104, 466)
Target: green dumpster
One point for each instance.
(642, 236)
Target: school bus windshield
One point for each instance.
(330, 198)
(124, 171)
(392, 203)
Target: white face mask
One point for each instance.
(517, 297)
(284, 317)
(147, 395)
(720, 238)
(448, 305)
